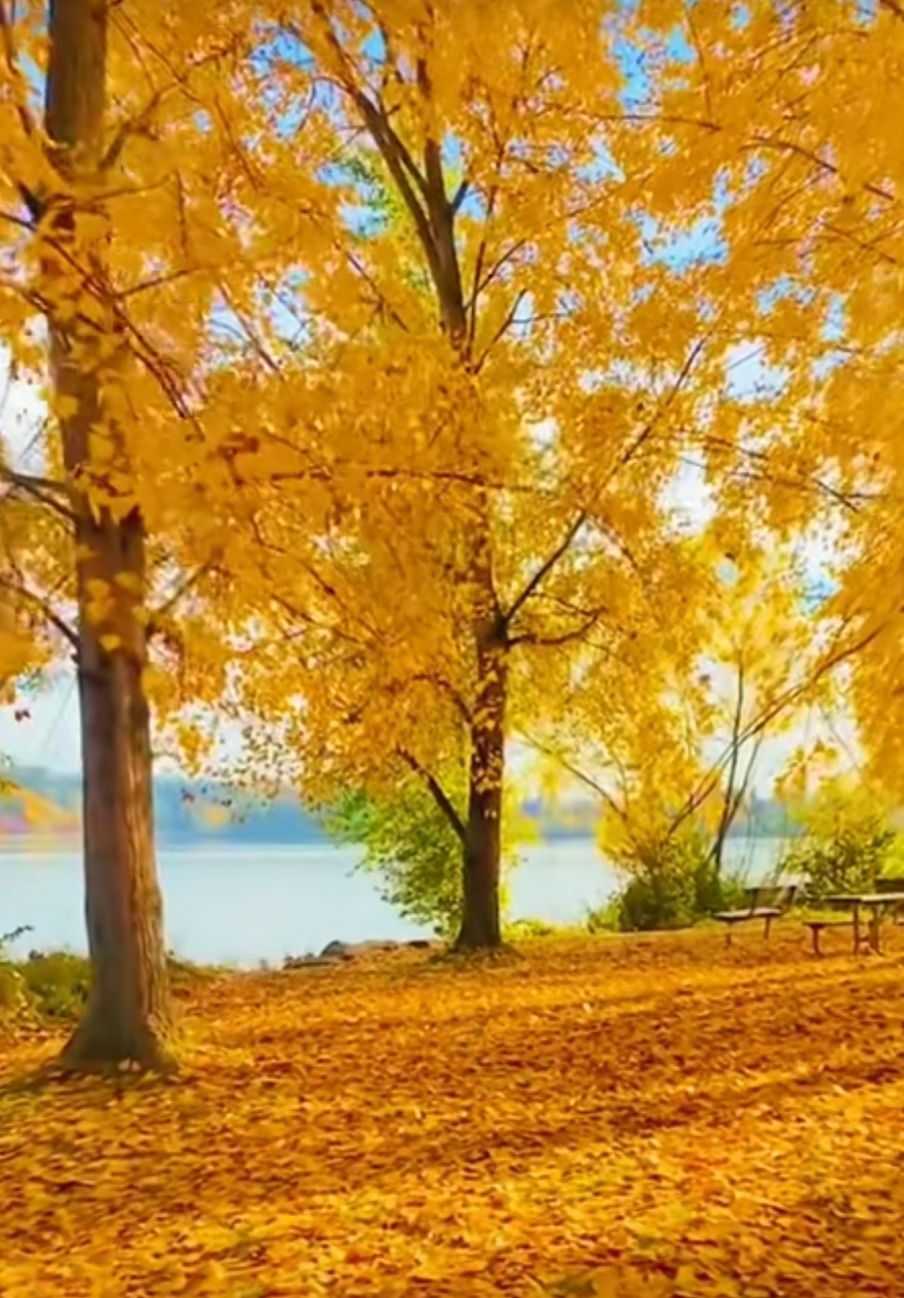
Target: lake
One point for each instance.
(242, 905)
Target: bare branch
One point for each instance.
(32, 597)
(440, 797)
(459, 196)
(564, 637)
(40, 489)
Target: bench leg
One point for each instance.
(816, 947)
(729, 929)
(767, 926)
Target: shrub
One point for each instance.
(413, 849)
(847, 841)
(661, 900)
(13, 995)
(57, 983)
(521, 928)
(673, 882)
(604, 918)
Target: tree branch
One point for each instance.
(565, 637)
(41, 604)
(41, 489)
(545, 568)
(459, 196)
(395, 155)
(181, 590)
(578, 774)
(440, 797)
(137, 125)
(447, 688)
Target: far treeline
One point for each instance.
(40, 802)
(418, 379)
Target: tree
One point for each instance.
(128, 1016)
(736, 667)
(461, 486)
(811, 222)
(116, 247)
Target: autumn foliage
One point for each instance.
(408, 392)
(416, 379)
(621, 1118)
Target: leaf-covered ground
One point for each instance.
(650, 1116)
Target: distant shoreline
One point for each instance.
(18, 841)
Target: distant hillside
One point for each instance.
(204, 811)
(185, 811)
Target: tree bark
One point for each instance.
(128, 1013)
(482, 849)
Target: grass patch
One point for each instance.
(54, 985)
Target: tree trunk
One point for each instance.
(128, 1013)
(482, 853)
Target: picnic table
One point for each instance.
(871, 907)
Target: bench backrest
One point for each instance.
(890, 885)
(778, 896)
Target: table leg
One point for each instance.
(856, 930)
(875, 920)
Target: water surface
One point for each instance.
(246, 904)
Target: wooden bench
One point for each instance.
(766, 903)
(817, 925)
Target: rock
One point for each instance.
(336, 950)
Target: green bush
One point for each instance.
(57, 983)
(412, 848)
(604, 918)
(847, 842)
(662, 900)
(669, 877)
(673, 883)
(521, 928)
(54, 984)
(13, 995)
(845, 865)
